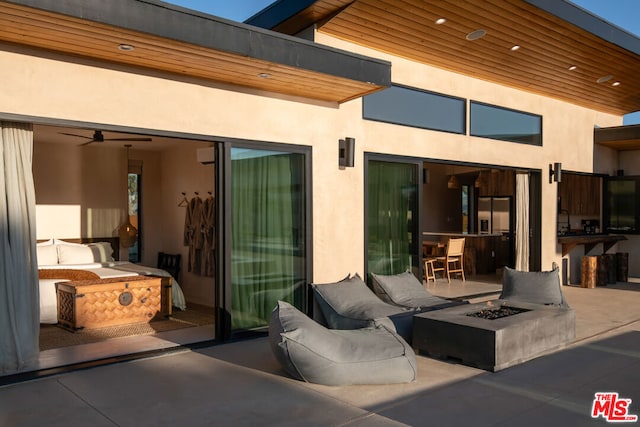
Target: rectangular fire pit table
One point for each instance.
(493, 344)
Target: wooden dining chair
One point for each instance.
(453, 260)
(169, 263)
(430, 269)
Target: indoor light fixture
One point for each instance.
(441, 21)
(453, 183)
(573, 67)
(555, 172)
(515, 47)
(615, 84)
(264, 75)
(126, 47)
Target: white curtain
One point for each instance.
(522, 221)
(19, 306)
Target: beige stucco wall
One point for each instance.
(54, 88)
(84, 91)
(567, 132)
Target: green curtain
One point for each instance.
(392, 216)
(268, 254)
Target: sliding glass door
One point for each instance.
(266, 224)
(392, 216)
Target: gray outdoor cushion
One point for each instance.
(310, 352)
(350, 304)
(536, 287)
(405, 290)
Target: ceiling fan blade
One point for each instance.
(128, 139)
(73, 134)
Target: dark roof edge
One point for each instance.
(586, 20)
(278, 12)
(617, 133)
(184, 25)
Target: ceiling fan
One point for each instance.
(99, 137)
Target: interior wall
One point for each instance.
(80, 191)
(442, 207)
(183, 174)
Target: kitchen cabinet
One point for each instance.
(579, 194)
(497, 183)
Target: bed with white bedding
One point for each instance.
(95, 257)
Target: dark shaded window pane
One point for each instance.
(621, 205)
(417, 108)
(488, 121)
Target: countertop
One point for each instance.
(570, 241)
(454, 234)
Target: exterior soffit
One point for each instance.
(193, 44)
(553, 36)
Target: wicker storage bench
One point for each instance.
(107, 302)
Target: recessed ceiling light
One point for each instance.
(440, 21)
(604, 79)
(126, 47)
(264, 75)
(615, 84)
(515, 47)
(573, 67)
(475, 35)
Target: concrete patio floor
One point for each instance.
(241, 383)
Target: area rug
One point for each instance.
(198, 315)
(52, 336)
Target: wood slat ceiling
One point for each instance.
(548, 45)
(70, 35)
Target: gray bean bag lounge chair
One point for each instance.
(534, 287)
(310, 352)
(404, 290)
(350, 304)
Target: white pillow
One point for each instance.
(102, 251)
(47, 255)
(47, 243)
(64, 242)
(75, 254)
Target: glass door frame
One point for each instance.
(223, 298)
(419, 179)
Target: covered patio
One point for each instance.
(242, 384)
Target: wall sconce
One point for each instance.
(346, 152)
(555, 172)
